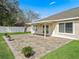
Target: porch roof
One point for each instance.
(49, 21)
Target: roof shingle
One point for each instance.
(63, 15)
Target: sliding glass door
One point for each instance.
(45, 29)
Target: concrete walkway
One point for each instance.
(40, 44)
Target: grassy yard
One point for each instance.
(5, 52)
(19, 33)
(69, 51)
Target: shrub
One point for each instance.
(6, 34)
(9, 37)
(28, 51)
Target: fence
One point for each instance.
(11, 29)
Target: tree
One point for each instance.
(20, 19)
(31, 15)
(3, 11)
(9, 10)
(11, 14)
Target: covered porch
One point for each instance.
(46, 29)
(65, 29)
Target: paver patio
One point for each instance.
(40, 44)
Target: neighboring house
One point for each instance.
(64, 24)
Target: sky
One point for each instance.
(46, 8)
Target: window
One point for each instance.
(47, 27)
(61, 27)
(66, 27)
(36, 28)
(69, 28)
(43, 28)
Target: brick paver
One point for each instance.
(40, 44)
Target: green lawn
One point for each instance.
(5, 52)
(19, 33)
(69, 51)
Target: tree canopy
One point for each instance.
(31, 15)
(9, 10)
(11, 14)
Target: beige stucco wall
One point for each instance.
(54, 28)
(39, 29)
(76, 27)
(29, 29)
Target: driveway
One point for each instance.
(40, 44)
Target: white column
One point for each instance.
(32, 30)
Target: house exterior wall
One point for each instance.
(74, 35)
(39, 28)
(76, 27)
(28, 29)
(54, 29)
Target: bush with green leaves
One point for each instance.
(28, 51)
(8, 36)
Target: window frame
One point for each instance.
(43, 29)
(65, 27)
(60, 28)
